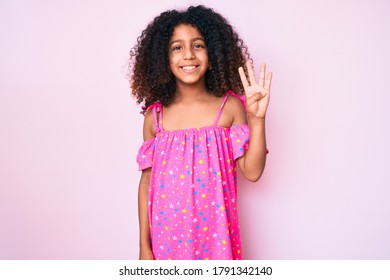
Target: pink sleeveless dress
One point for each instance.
(193, 190)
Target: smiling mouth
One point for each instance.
(189, 68)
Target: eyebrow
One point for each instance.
(179, 40)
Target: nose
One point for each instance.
(189, 53)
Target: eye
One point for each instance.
(199, 46)
(176, 48)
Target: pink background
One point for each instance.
(70, 131)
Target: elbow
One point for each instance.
(253, 177)
(253, 172)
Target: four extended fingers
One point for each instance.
(266, 84)
(256, 91)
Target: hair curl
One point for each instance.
(151, 79)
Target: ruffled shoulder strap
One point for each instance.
(157, 108)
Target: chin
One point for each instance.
(189, 81)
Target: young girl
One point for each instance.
(187, 71)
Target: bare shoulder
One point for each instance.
(149, 130)
(235, 108)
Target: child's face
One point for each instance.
(188, 57)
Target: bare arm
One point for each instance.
(257, 99)
(252, 163)
(145, 252)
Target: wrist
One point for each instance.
(255, 120)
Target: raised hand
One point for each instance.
(257, 94)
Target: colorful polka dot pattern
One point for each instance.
(193, 192)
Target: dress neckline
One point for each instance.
(194, 129)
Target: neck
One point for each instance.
(188, 93)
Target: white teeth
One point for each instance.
(189, 68)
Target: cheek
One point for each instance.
(172, 60)
(204, 56)
(171, 65)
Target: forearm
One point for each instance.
(255, 157)
(143, 216)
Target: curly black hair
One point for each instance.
(151, 79)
